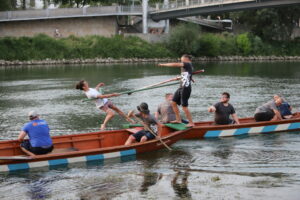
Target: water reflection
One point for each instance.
(180, 185)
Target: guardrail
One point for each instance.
(70, 12)
(192, 3)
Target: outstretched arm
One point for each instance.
(170, 64)
(212, 109)
(99, 85)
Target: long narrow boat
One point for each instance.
(247, 126)
(96, 146)
(209, 129)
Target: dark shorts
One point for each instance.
(264, 116)
(138, 136)
(36, 150)
(182, 95)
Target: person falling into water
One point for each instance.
(182, 94)
(101, 101)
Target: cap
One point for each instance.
(143, 107)
(33, 114)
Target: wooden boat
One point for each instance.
(247, 126)
(96, 146)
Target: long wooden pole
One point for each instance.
(172, 79)
(151, 131)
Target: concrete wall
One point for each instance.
(104, 26)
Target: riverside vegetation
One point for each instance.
(185, 38)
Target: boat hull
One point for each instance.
(247, 127)
(86, 154)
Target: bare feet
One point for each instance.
(102, 128)
(190, 125)
(176, 122)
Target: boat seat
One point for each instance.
(178, 127)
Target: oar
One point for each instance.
(150, 130)
(146, 88)
(172, 79)
(15, 158)
(129, 92)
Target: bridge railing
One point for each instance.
(69, 12)
(175, 4)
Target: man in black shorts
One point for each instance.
(223, 110)
(268, 111)
(150, 123)
(182, 94)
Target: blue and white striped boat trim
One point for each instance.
(253, 130)
(65, 161)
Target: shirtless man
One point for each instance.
(182, 94)
(101, 101)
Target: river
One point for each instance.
(261, 167)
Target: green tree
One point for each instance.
(269, 23)
(183, 39)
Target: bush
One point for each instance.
(183, 39)
(42, 47)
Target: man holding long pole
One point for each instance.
(182, 94)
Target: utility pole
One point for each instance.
(145, 16)
(167, 21)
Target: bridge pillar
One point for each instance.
(167, 21)
(145, 16)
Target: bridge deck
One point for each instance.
(69, 13)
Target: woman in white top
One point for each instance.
(101, 101)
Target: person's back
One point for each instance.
(268, 111)
(38, 132)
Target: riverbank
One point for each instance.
(147, 60)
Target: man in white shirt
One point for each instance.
(101, 101)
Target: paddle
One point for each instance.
(15, 158)
(149, 129)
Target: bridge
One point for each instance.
(104, 20)
(185, 8)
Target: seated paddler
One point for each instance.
(150, 123)
(38, 132)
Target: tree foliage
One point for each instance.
(270, 23)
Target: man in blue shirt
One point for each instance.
(39, 138)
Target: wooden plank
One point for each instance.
(15, 158)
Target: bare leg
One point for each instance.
(177, 113)
(188, 116)
(144, 139)
(115, 108)
(130, 140)
(109, 114)
(27, 152)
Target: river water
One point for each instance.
(260, 167)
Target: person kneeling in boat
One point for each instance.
(285, 108)
(223, 110)
(151, 125)
(268, 111)
(38, 132)
(165, 111)
(101, 101)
